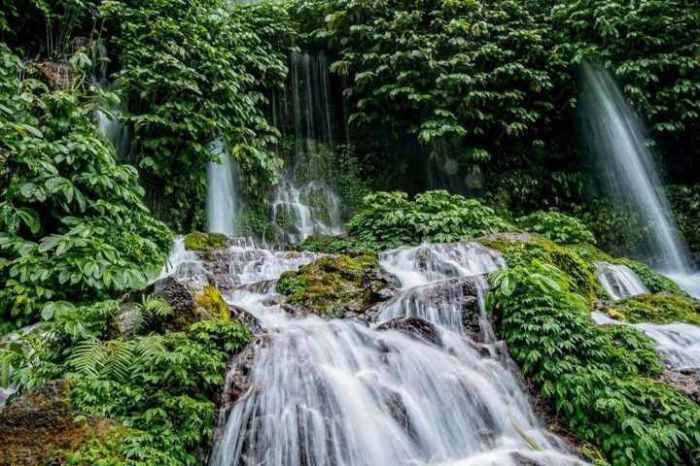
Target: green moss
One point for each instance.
(334, 284)
(205, 242)
(521, 250)
(213, 303)
(332, 245)
(657, 308)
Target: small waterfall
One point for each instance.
(304, 204)
(679, 343)
(221, 192)
(619, 281)
(617, 137)
(114, 131)
(339, 392)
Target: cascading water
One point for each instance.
(679, 343)
(341, 393)
(304, 204)
(221, 192)
(617, 138)
(619, 281)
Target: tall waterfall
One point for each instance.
(221, 192)
(340, 392)
(304, 203)
(618, 139)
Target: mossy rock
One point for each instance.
(205, 242)
(40, 427)
(656, 308)
(522, 249)
(332, 286)
(329, 244)
(213, 304)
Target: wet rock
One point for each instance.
(416, 328)
(37, 425)
(59, 76)
(175, 294)
(237, 383)
(247, 319)
(522, 460)
(129, 320)
(336, 286)
(686, 381)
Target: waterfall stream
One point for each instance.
(221, 192)
(619, 281)
(341, 392)
(617, 138)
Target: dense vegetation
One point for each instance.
(484, 92)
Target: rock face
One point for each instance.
(36, 426)
(413, 327)
(685, 381)
(336, 286)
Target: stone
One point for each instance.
(413, 327)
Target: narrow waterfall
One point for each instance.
(304, 203)
(221, 192)
(340, 392)
(617, 138)
(619, 281)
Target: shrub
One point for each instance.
(558, 227)
(596, 379)
(73, 223)
(389, 220)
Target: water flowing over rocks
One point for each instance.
(619, 281)
(419, 379)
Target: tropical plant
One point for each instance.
(596, 379)
(389, 220)
(558, 227)
(73, 223)
(193, 72)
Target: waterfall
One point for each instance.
(678, 343)
(304, 204)
(221, 192)
(619, 281)
(340, 392)
(617, 137)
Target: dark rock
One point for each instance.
(247, 319)
(416, 328)
(522, 460)
(58, 76)
(175, 294)
(686, 381)
(128, 321)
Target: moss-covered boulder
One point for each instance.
(205, 242)
(335, 286)
(659, 308)
(40, 427)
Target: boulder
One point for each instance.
(336, 286)
(413, 327)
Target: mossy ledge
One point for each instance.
(334, 285)
(205, 242)
(659, 308)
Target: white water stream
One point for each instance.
(343, 393)
(618, 139)
(619, 281)
(221, 192)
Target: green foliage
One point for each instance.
(596, 379)
(331, 245)
(618, 230)
(520, 251)
(194, 71)
(162, 388)
(657, 308)
(650, 44)
(73, 223)
(685, 202)
(557, 227)
(475, 72)
(389, 220)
